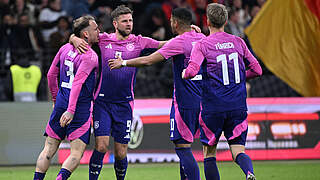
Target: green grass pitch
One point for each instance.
(264, 170)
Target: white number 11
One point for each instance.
(225, 74)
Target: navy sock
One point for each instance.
(120, 168)
(63, 174)
(38, 176)
(182, 174)
(210, 168)
(95, 164)
(245, 163)
(190, 165)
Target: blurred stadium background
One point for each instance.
(284, 103)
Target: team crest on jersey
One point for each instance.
(96, 124)
(130, 46)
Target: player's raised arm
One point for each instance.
(162, 43)
(171, 48)
(80, 44)
(136, 62)
(194, 27)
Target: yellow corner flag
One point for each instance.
(286, 36)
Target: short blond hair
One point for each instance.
(81, 23)
(217, 14)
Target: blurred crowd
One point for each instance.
(32, 31)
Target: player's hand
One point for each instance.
(115, 63)
(196, 28)
(53, 103)
(80, 44)
(66, 119)
(182, 74)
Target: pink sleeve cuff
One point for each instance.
(254, 70)
(192, 70)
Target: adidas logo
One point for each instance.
(108, 46)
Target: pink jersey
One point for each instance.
(187, 93)
(77, 78)
(117, 85)
(223, 57)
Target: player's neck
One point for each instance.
(183, 30)
(215, 30)
(89, 43)
(120, 37)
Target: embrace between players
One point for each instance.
(209, 92)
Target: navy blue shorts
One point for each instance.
(184, 123)
(79, 128)
(113, 119)
(233, 124)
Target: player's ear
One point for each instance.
(208, 22)
(86, 34)
(115, 24)
(176, 24)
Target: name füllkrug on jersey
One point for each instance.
(227, 45)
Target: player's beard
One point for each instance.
(174, 31)
(123, 33)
